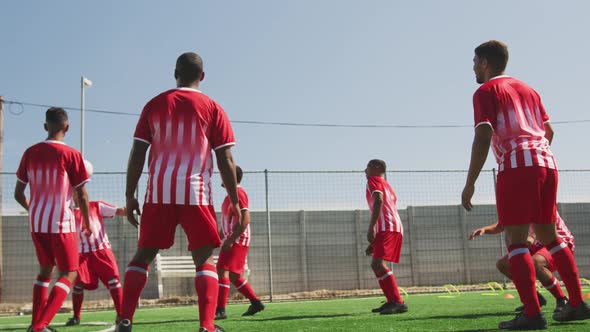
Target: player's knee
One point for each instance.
(234, 276)
(145, 256)
(377, 266)
(502, 266)
(539, 262)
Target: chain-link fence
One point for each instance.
(309, 233)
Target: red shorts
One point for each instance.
(388, 246)
(57, 249)
(233, 260)
(159, 221)
(527, 195)
(98, 265)
(545, 253)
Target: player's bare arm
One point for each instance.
(490, 229)
(377, 206)
(549, 132)
(227, 169)
(479, 154)
(134, 169)
(19, 195)
(237, 231)
(82, 199)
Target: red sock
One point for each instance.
(135, 280)
(568, 271)
(77, 299)
(244, 288)
(522, 271)
(116, 294)
(207, 288)
(59, 292)
(39, 298)
(554, 288)
(389, 286)
(223, 292)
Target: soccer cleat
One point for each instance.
(254, 308)
(569, 313)
(220, 314)
(522, 322)
(123, 326)
(542, 303)
(217, 329)
(560, 304)
(380, 308)
(47, 329)
(73, 321)
(391, 308)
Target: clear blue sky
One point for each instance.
(348, 62)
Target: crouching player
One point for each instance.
(385, 235)
(542, 259)
(97, 261)
(232, 257)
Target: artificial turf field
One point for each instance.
(466, 312)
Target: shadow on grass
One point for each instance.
(286, 318)
(169, 321)
(466, 316)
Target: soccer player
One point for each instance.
(232, 258)
(97, 261)
(544, 264)
(509, 114)
(54, 172)
(182, 126)
(385, 235)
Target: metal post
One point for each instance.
(1, 168)
(501, 238)
(412, 237)
(82, 115)
(270, 281)
(360, 250)
(303, 253)
(464, 230)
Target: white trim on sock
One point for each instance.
(557, 248)
(113, 281)
(224, 285)
(137, 269)
(41, 284)
(553, 284)
(62, 286)
(206, 273)
(385, 276)
(518, 251)
(243, 284)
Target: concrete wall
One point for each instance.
(314, 250)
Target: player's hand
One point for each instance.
(87, 230)
(466, 197)
(131, 207)
(371, 235)
(369, 250)
(235, 207)
(477, 232)
(227, 244)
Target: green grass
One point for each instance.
(466, 312)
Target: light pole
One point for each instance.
(84, 83)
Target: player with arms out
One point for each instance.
(97, 261)
(385, 235)
(509, 116)
(181, 127)
(54, 172)
(232, 257)
(542, 259)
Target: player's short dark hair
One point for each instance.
(56, 116)
(189, 67)
(239, 173)
(379, 163)
(495, 52)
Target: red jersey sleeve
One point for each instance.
(107, 210)
(484, 108)
(243, 199)
(375, 184)
(76, 169)
(143, 130)
(22, 174)
(222, 133)
(544, 115)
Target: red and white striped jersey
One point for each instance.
(389, 220)
(228, 218)
(52, 169)
(182, 125)
(99, 239)
(562, 232)
(515, 112)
